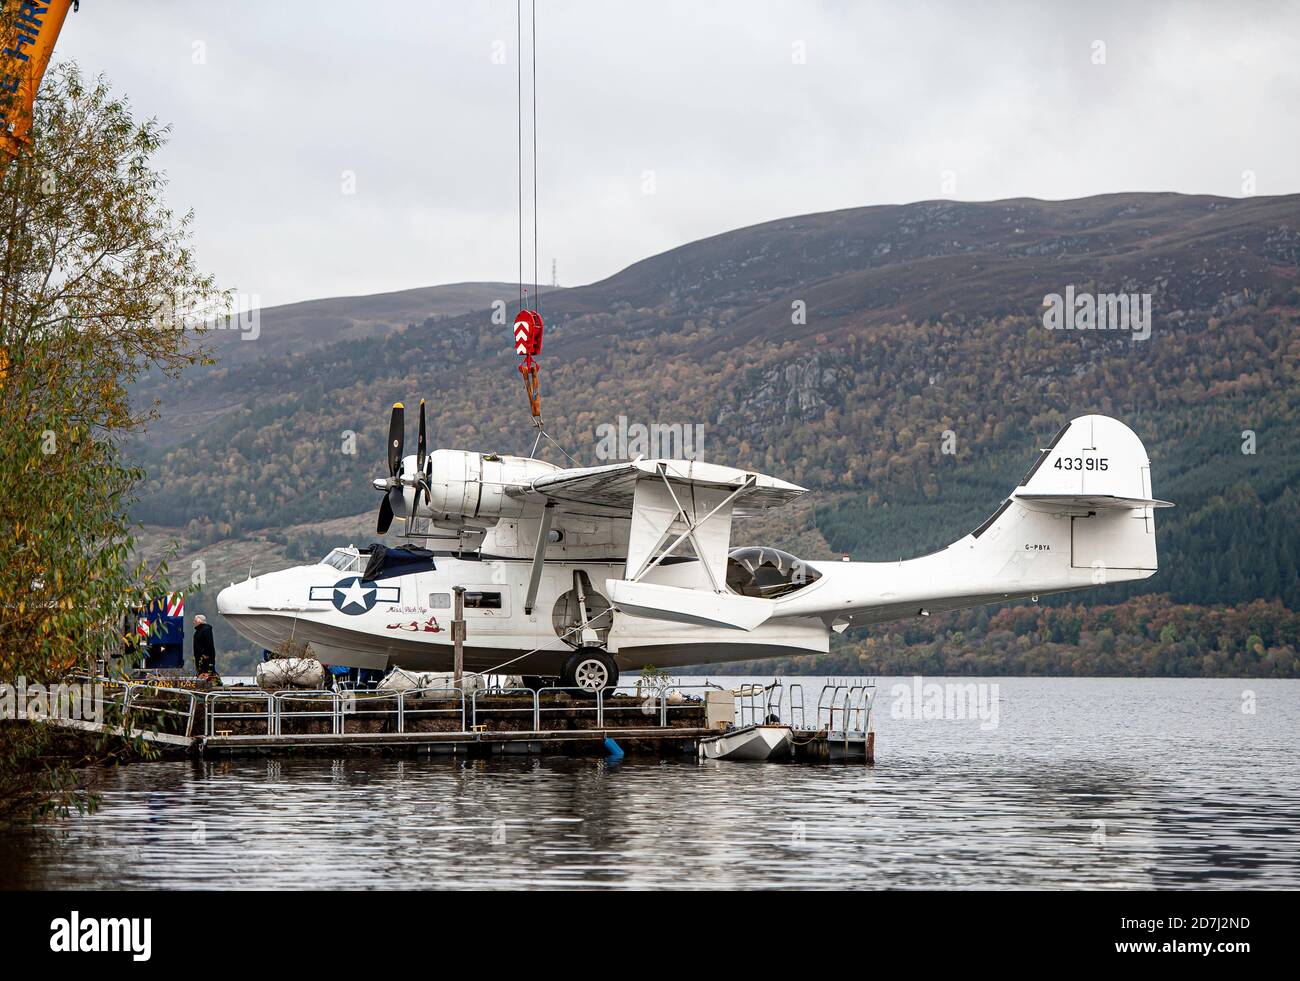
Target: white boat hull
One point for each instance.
(758, 743)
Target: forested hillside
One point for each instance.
(892, 359)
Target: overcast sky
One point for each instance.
(663, 122)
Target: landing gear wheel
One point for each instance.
(589, 670)
(536, 683)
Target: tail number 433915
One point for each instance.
(1082, 463)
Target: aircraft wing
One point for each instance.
(674, 505)
(611, 490)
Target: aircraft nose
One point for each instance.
(232, 600)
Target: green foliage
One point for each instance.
(1147, 636)
(89, 248)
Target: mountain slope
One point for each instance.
(294, 328)
(845, 351)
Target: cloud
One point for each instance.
(733, 112)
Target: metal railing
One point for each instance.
(334, 711)
(120, 704)
(423, 703)
(476, 712)
(661, 699)
(647, 704)
(275, 712)
(844, 707)
(213, 700)
(339, 708)
(797, 712)
(755, 704)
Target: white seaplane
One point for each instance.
(578, 573)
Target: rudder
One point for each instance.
(1097, 471)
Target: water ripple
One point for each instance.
(1084, 783)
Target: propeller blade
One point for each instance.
(421, 444)
(385, 516)
(396, 437)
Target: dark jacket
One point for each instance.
(205, 651)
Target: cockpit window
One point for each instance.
(344, 560)
(767, 572)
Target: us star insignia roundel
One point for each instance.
(355, 596)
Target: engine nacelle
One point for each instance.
(471, 489)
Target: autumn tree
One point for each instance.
(96, 277)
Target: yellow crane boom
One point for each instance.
(29, 29)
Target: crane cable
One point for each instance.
(519, 143)
(519, 137)
(529, 370)
(537, 305)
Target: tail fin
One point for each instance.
(1097, 472)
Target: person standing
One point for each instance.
(205, 651)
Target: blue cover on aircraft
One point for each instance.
(385, 563)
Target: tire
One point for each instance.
(589, 670)
(536, 682)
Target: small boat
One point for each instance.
(766, 741)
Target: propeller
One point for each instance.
(396, 438)
(421, 444)
(392, 485)
(393, 502)
(385, 515)
(421, 456)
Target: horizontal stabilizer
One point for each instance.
(1084, 503)
(677, 604)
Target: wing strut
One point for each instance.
(539, 557)
(691, 526)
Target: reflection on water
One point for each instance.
(1085, 783)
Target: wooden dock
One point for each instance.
(632, 741)
(244, 720)
(834, 747)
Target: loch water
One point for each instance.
(1068, 783)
